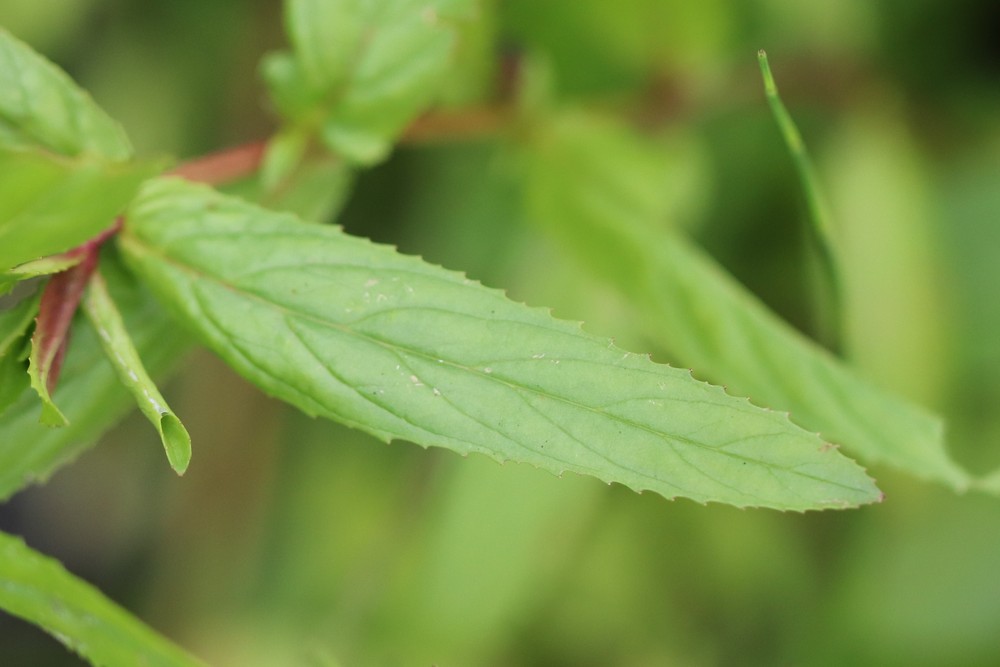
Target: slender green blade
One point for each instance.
(89, 392)
(50, 204)
(40, 106)
(821, 226)
(708, 320)
(107, 322)
(39, 590)
(363, 70)
(44, 266)
(356, 332)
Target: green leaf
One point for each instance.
(59, 302)
(41, 107)
(14, 324)
(39, 590)
(580, 189)
(362, 70)
(821, 225)
(13, 379)
(50, 204)
(316, 191)
(353, 331)
(89, 392)
(44, 266)
(107, 321)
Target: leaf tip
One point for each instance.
(176, 442)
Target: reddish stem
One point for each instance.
(232, 164)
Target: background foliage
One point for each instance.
(292, 541)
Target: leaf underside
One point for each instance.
(353, 331)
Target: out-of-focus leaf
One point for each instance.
(497, 543)
(597, 46)
(42, 107)
(110, 328)
(50, 204)
(356, 332)
(316, 191)
(39, 590)
(89, 392)
(284, 152)
(362, 70)
(896, 312)
(581, 189)
(990, 483)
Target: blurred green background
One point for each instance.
(292, 541)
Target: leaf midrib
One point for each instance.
(130, 237)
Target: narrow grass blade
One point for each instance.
(819, 211)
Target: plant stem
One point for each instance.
(819, 213)
(225, 166)
(232, 164)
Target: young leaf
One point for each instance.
(353, 331)
(41, 107)
(363, 69)
(59, 302)
(50, 204)
(704, 316)
(118, 345)
(39, 590)
(89, 392)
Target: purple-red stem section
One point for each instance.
(60, 300)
